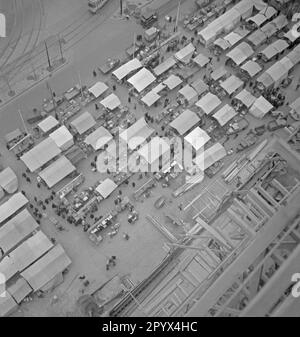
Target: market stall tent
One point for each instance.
(201, 60)
(98, 89)
(57, 171)
(111, 102)
(16, 230)
(185, 122)
(46, 268)
(172, 82)
(293, 34)
(295, 105)
(83, 123)
(225, 114)
(257, 37)
(127, 68)
(208, 103)
(19, 290)
(246, 98)
(218, 73)
(269, 29)
(277, 72)
(188, 93)
(150, 98)
(8, 181)
(294, 56)
(7, 304)
(98, 138)
(185, 54)
(62, 138)
(210, 156)
(240, 53)
(41, 154)
(252, 68)
(197, 138)
(199, 86)
(12, 206)
(222, 43)
(164, 66)
(273, 49)
(260, 107)
(266, 80)
(48, 124)
(106, 187)
(231, 84)
(280, 21)
(142, 79)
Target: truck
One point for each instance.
(95, 5)
(237, 126)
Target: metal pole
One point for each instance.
(22, 119)
(34, 72)
(177, 16)
(133, 46)
(52, 97)
(48, 58)
(60, 49)
(79, 77)
(121, 7)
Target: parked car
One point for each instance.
(277, 124)
(260, 130)
(238, 126)
(160, 202)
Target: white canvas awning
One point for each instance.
(222, 43)
(251, 68)
(172, 81)
(136, 134)
(19, 290)
(269, 29)
(199, 86)
(210, 156)
(201, 60)
(46, 268)
(48, 124)
(127, 68)
(208, 103)
(225, 114)
(12, 205)
(62, 137)
(185, 122)
(98, 138)
(294, 56)
(197, 138)
(98, 89)
(278, 72)
(111, 102)
(57, 171)
(266, 80)
(207, 35)
(185, 54)
(142, 79)
(240, 53)
(164, 66)
(260, 107)
(295, 105)
(232, 38)
(150, 98)
(293, 34)
(83, 123)
(246, 98)
(231, 84)
(7, 304)
(257, 19)
(257, 37)
(274, 49)
(152, 151)
(106, 187)
(218, 73)
(280, 22)
(188, 93)
(8, 180)
(40, 154)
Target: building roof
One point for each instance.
(260, 107)
(251, 68)
(153, 150)
(8, 180)
(208, 103)
(57, 171)
(185, 121)
(46, 268)
(246, 98)
(222, 43)
(142, 79)
(185, 54)
(127, 68)
(197, 138)
(225, 114)
(13, 135)
(7, 304)
(231, 84)
(83, 123)
(218, 73)
(40, 154)
(269, 29)
(12, 205)
(48, 124)
(188, 93)
(257, 37)
(240, 53)
(273, 49)
(106, 187)
(16, 230)
(150, 98)
(62, 136)
(98, 89)
(164, 66)
(257, 19)
(201, 60)
(199, 86)
(295, 105)
(19, 290)
(98, 138)
(265, 79)
(207, 158)
(111, 102)
(172, 81)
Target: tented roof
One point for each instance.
(293, 34)
(277, 71)
(106, 187)
(225, 114)
(40, 154)
(150, 98)
(184, 55)
(16, 230)
(142, 79)
(8, 268)
(296, 105)
(233, 38)
(8, 180)
(48, 124)
(7, 304)
(251, 67)
(83, 123)
(257, 37)
(136, 134)
(294, 56)
(260, 107)
(240, 53)
(30, 250)
(188, 93)
(218, 73)
(164, 66)
(19, 290)
(62, 136)
(158, 88)
(207, 34)
(231, 84)
(246, 98)
(127, 68)
(111, 102)
(274, 49)
(185, 121)
(207, 158)
(280, 22)
(265, 79)
(57, 171)
(98, 89)
(46, 268)
(199, 86)
(197, 138)
(13, 135)
(201, 60)
(208, 103)
(258, 19)
(172, 81)
(222, 43)
(268, 11)
(269, 29)
(98, 138)
(153, 150)
(12, 205)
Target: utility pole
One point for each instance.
(133, 46)
(121, 7)
(48, 58)
(52, 96)
(177, 16)
(60, 49)
(23, 122)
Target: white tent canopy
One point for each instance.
(150, 98)
(7, 304)
(277, 72)
(185, 54)
(62, 137)
(257, 37)
(199, 86)
(40, 154)
(172, 81)
(251, 68)
(218, 73)
(240, 53)
(12, 205)
(98, 138)
(188, 93)
(185, 121)
(225, 114)
(293, 34)
(222, 43)
(8, 180)
(197, 138)
(246, 98)
(127, 68)
(207, 158)
(164, 66)
(106, 187)
(142, 79)
(265, 79)
(111, 102)
(98, 89)
(275, 48)
(201, 60)
(57, 171)
(208, 103)
(231, 84)
(83, 123)
(48, 124)
(19, 290)
(260, 107)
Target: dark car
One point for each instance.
(277, 124)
